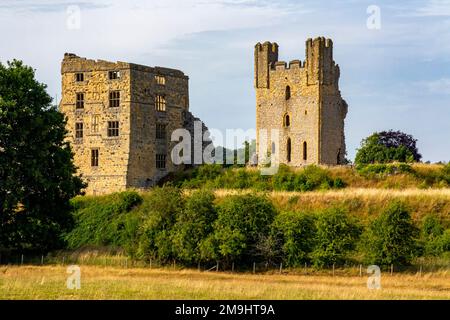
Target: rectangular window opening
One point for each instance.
(114, 99)
(113, 128)
(80, 100)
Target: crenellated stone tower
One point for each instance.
(303, 102)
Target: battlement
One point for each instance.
(74, 63)
(319, 64)
(282, 65)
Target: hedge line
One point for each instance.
(166, 225)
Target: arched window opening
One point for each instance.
(286, 120)
(338, 160)
(273, 147)
(288, 92)
(305, 151)
(288, 148)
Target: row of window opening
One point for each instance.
(115, 74)
(289, 150)
(114, 100)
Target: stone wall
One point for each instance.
(308, 94)
(128, 160)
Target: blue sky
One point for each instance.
(395, 77)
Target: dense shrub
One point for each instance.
(435, 239)
(103, 220)
(378, 169)
(215, 176)
(310, 178)
(293, 236)
(336, 235)
(193, 226)
(160, 211)
(391, 237)
(241, 222)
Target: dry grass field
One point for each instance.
(361, 202)
(49, 282)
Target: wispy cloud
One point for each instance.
(440, 86)
(434, 8)
(48, 6)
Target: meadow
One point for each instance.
(49, 282)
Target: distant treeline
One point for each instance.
(169, 225)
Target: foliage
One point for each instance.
(435, 239)
(337, 234)
(310, 178)
(193, 226)
(376, 169)
(392, 237)
(104, 220)
(36, 171)
(293, 234)
(242, 220)
(387, 146)
(160, 212)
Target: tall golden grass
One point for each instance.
(363, 202)
(49, 282)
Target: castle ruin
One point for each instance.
(119, 120)
(303, 102)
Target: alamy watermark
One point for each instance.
(74, 280)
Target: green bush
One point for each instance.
(103, 220)
(435, 239)
(193, 226)
(336, 235)
(242, 221)
(378, 169)
(392, 237)
(293, 235)
(310, 178)
(160, 211)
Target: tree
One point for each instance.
(293, 234)
(391, 238)
(336, 234)
(194, 225)
(242, 221)
(36, 170)
(160, 211)
(388, 146)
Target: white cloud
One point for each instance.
(434, 8)
(440, 86)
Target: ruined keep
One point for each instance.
(303, 102)
(120, 117)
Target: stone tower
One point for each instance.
(303, 102)
(120, 117)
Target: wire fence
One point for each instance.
(122, 261)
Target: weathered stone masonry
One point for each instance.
(303, 102)
(136, 155)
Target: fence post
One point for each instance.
(254, 267)
(64, 258)
(360, 270)
(21, 260)
(232, 267)
(420, 271)
(392, 269)
(217, 266)
(305, 268)
(42, 259)
(281, 266)
(333, 269)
